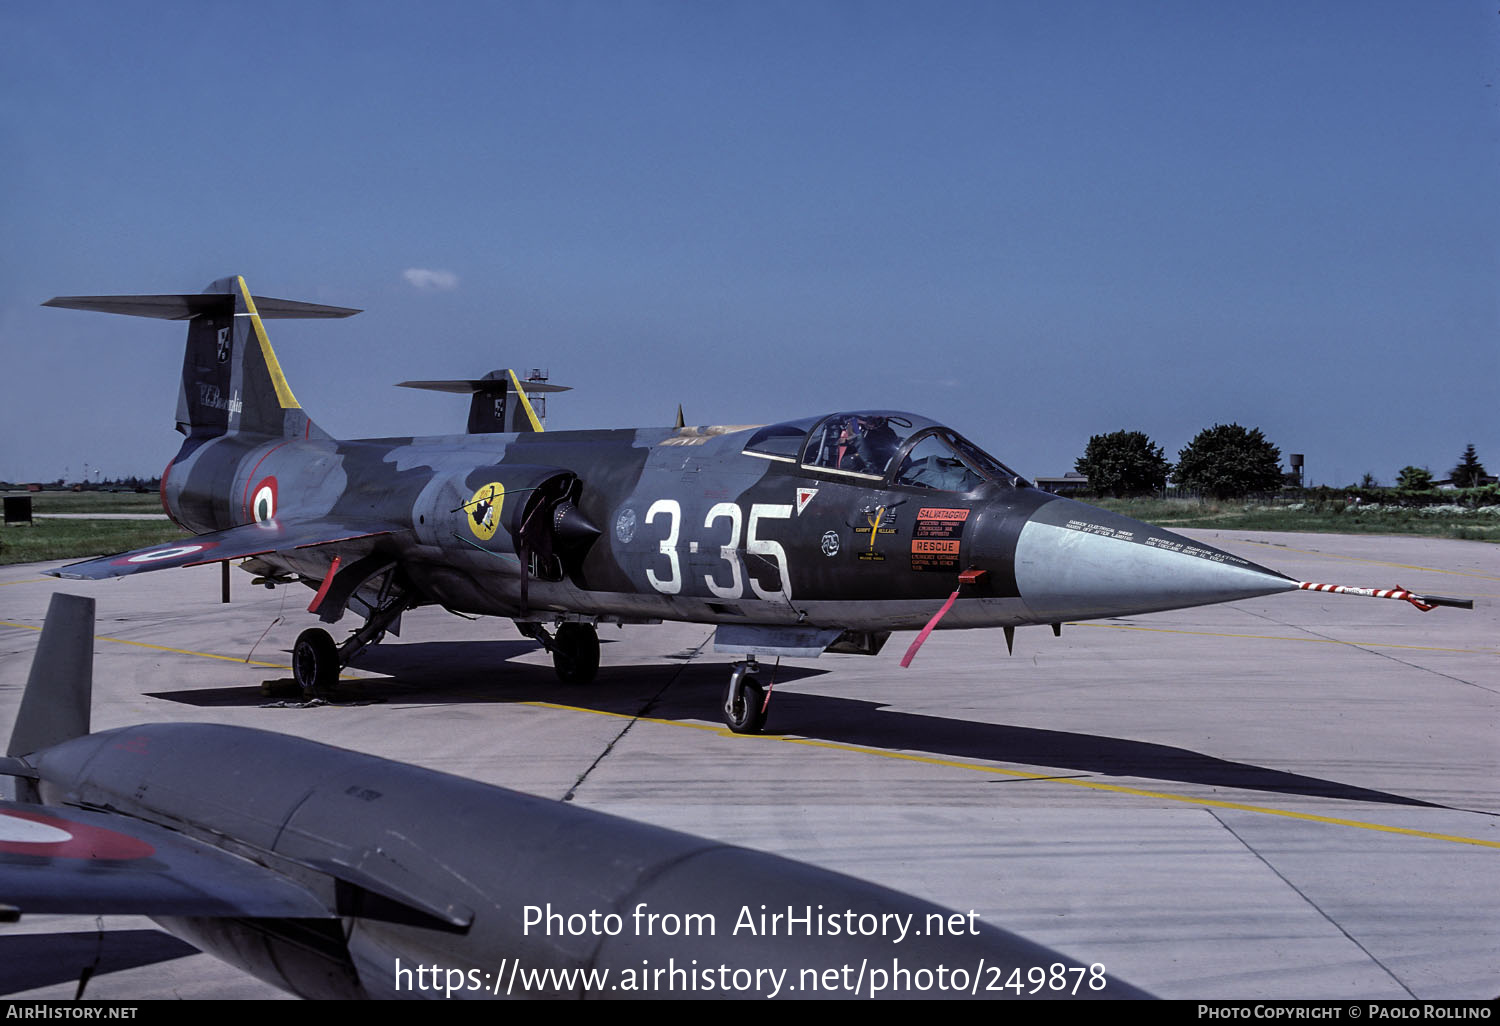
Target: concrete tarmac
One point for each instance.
(1287, 797)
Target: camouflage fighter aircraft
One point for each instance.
(824, 534)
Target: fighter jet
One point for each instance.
(333, 874)
(823, 534)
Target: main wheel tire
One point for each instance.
(747, 714)
(575, 653)
(315, 660)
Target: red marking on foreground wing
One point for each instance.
(81, 841)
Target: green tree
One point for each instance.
(1124, 463)
(1414, 479)
(1469, 473)
(1228, 462)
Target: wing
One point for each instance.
(68, 860)
(234, 543)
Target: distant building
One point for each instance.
(1071, 483)
(1447, 485)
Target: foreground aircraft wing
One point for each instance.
(234, 543)
(69, 860)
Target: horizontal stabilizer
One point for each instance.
(464, 386)
(182, 308)
(234, 543)
(10, 767)
(500, 402)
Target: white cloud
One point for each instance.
(426, 278)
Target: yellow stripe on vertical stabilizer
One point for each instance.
(536, 425)
(278, 379)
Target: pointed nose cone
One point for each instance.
(1076, 562)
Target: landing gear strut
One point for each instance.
(744, 699)
(574, 648)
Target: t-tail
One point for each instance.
(502, 400)
(232, 382)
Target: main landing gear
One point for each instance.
(317, 659)
(574, 648)
(745, 700)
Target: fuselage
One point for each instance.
(712, 525)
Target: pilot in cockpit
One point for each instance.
(860, 444)
(878, 442)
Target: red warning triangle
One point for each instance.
(804, 496)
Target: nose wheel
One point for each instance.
(745, 700)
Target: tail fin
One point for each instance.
(55, 705)
(500, 400)
(231, 379)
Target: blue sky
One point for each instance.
(1036, 222)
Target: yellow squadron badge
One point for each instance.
(483, 510)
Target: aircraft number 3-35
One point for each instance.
(769, 551)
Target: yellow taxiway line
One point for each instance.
(160, 648)
(1092, 785)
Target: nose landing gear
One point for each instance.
(745, 701)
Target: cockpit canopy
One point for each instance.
(883, 445)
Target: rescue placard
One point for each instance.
(936, 538)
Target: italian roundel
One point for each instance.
(166, 554)
(27, 832)
(263, 501)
